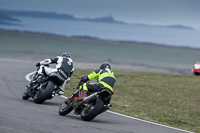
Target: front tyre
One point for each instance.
(90, 112)
(45, 93)
(65, 107)
(25, 95)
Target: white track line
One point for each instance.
(150, 122)
(30, 74)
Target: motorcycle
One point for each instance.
(40, 92)
(89, 107)
(196, 69)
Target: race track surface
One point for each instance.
(24, 116)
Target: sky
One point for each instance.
(155, 12)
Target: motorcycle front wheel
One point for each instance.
(91, 111)
(25, 95)
(65, 107)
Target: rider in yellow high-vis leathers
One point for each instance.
(106, 79)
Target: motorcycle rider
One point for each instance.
(106, 79)
(64, 66)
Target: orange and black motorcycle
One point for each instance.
(89, 107)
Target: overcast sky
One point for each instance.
(158, 12)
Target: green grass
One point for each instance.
(27, 45)
(168, 99)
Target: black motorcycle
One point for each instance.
(45, 90)
(88, 108)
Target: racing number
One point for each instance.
(70, 62)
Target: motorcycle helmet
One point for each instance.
(105, 65)
(66, 55)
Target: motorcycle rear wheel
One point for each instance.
(65, 107)
(89, 113)
(44, 94)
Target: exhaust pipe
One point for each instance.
(109, 106)
(90, 97)
(106, 108)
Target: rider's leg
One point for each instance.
(84, 90)
(44, 70)
(95, 87)
(90, 86)
(48, 71)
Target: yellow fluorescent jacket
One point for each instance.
(105, 77)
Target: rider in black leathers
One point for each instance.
(64, 65)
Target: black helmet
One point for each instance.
(66, 54)
(105, 65)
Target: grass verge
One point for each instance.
(168, 99)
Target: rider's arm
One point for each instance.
(94, 74)
(45, 62)
(49, 61)
(91, 75)
(70, 74)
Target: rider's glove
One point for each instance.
(37, 64)
(84, 78)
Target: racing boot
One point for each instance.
(82, 95)
(61, 91)
(62, 87)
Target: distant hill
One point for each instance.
(105, 19)
(167, 26)
(8, 17)
(8, 20)
(52, 15)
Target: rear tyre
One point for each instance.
(25, 95)
(90, 112)
(45, 93)
(65, 107)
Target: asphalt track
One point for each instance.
(24, 116)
